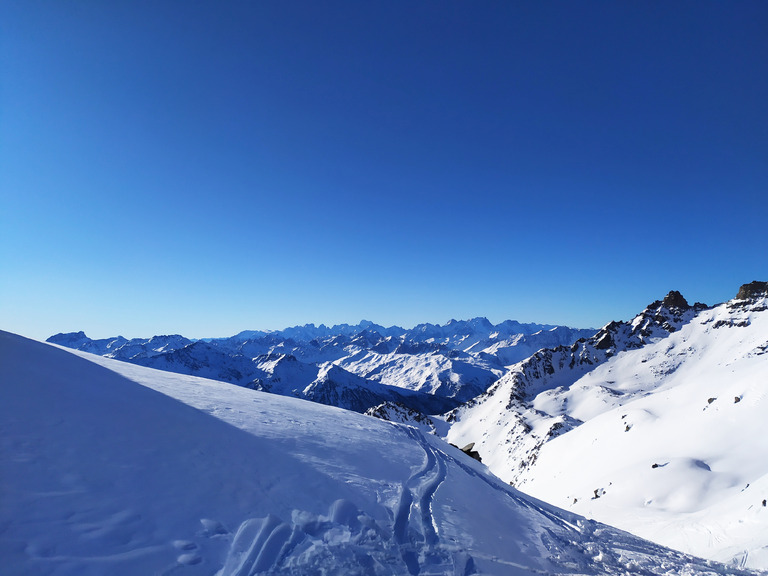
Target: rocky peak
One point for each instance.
(393, 411)
(675, 300)
(755, 289)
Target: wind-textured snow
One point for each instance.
(113, 468)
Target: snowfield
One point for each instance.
(113, 468)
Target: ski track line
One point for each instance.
(259, 545)
(744, 558)
(629, 546)
(414, 509)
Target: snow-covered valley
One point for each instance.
(113, 468)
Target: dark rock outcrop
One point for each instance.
(470, 451)
(755, 289)
(674, 298)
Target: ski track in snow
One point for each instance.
(349, 542)
(414, 523)
(270, 545)
(584, 551)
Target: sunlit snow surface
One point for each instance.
(112, 468)
(683, 459)
(673, 444)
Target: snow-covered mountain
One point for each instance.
(121, 348)
(309, 332)
(330, 384)
(113, 468)
(655, 425)
(505, 423)
(283, 374)
(452, 374)
(429, 368)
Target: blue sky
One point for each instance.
(204, 168)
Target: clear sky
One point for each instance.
(207, 167)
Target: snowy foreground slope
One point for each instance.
(113, 468)
(666, 438)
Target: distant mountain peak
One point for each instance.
(72, 335)
(482, 322)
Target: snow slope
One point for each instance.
(113, 468)
(680, 454)
(664, 438)
(508, 424)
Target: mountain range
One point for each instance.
(654, 424)
(429, 369)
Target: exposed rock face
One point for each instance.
(668, 314)
(754, 289)
(674, 298)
